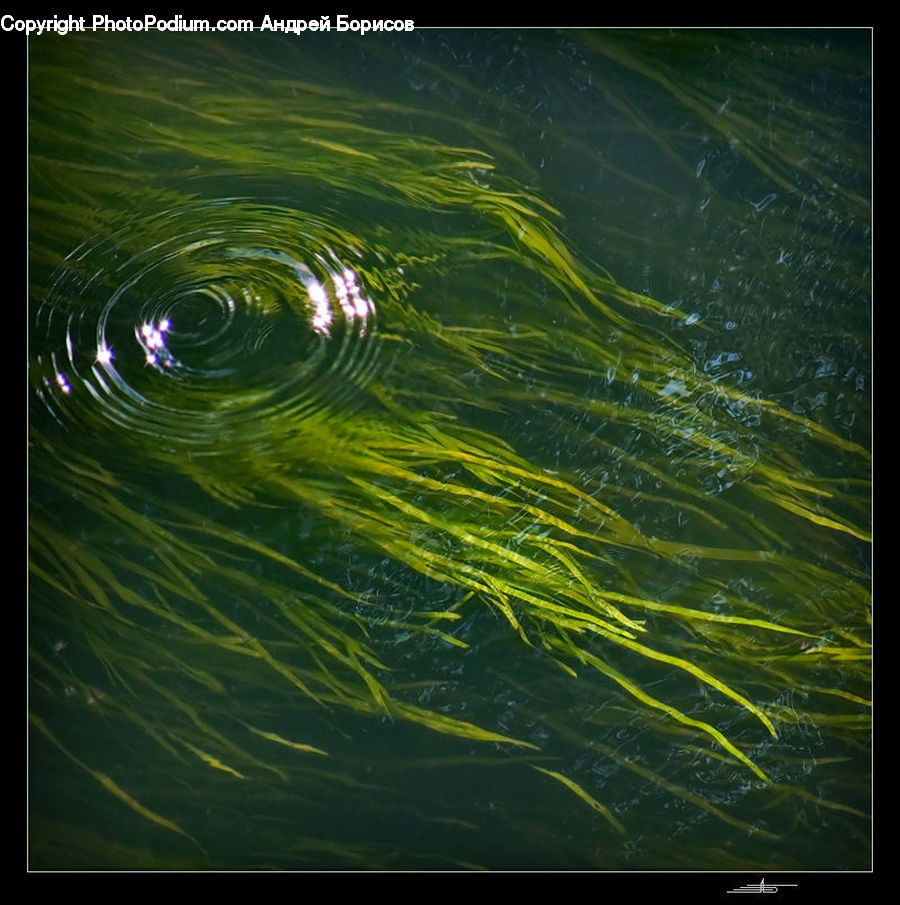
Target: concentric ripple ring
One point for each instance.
(201, 324)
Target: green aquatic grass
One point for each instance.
(412, 458)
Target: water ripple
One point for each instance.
(201, 324)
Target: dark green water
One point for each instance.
(450, 451)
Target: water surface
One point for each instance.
(450, 451)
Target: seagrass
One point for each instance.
(397, 440)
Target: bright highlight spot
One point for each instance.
(152, 338)
(347, 294)
(322, 315)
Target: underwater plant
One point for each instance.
(347, 463)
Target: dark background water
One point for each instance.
(757, 230)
